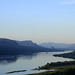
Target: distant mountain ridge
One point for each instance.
(28, 43)
(13, 47)
(31, 44)
(72, 46)
(58, 45)
(7, 42)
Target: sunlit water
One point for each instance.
(30, 62)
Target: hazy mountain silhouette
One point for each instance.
(28, 43)
(11, 47)
(72, 46)
(7, 42)
(56, 45)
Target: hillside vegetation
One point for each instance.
(61, 68)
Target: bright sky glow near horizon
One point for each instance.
(38, 20)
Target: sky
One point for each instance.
(38, 20)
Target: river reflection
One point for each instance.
(28, 62)
(11, 59)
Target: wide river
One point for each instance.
(29, 62)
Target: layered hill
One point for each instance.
(28, 43)
(31, 44)
(12, 47)
(56, 45)
(72, 46)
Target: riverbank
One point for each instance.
(61, 68)
(66, 55)
(65, 71)
(29, 62)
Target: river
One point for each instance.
(29, 62)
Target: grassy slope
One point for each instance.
(65, 71)
(61, 68)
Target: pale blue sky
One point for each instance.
(38, 20)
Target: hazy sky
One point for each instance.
(38, 20)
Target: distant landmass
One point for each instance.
(66, 55)
(13, 47)
(28, 43)
(58, 45)
(72, 46)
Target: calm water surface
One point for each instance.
(29, 62)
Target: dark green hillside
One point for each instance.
(61, 68)
(65, 71)
(56, 65)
